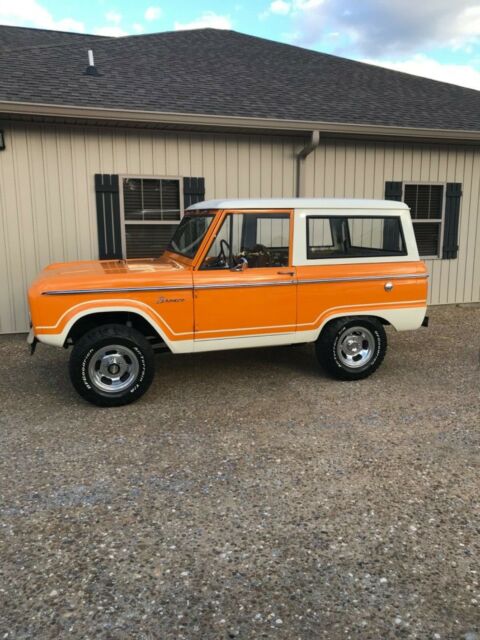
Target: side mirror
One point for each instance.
(241, 266)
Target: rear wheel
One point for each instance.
(352, 348)
(112, 365)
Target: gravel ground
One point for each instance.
(246, 496)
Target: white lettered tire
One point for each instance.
(352, 348)
(112, 365)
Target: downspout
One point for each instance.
(301, 155)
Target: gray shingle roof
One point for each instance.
(227, 73)
(21, 37)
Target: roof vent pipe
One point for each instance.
(302, 154)
(91, 70)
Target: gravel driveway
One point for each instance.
(246, 496)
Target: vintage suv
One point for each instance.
(239, 274)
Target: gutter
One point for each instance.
(301, 155)
(274, 124)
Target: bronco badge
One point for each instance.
(161, 300)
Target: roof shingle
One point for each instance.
(226, 73)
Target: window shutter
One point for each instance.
(391, 239)
(108, 217)
(393, 191)
(452, 215)
(193, 191)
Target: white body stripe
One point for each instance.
(400, 319)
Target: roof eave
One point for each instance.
(228, 122)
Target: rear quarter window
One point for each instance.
(354, 237)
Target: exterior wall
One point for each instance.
(47, 198)
(344, 169)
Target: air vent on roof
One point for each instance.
(91, 70)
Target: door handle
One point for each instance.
(286, 273)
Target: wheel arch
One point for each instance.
(87, 319)
(401, 319)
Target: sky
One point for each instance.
(438, 39)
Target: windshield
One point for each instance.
(190, 233)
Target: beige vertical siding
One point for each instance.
(47, 199)
(359, 170)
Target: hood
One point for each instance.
(111, 274)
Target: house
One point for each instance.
(104, 141)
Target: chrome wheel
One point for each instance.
(113, 368)
(355, 347)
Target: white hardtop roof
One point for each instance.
(300, 203)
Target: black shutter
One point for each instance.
(452, 215)
(391, 239)
(193, 191)
(108, 217)
(393, 191)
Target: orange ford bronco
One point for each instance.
(239, 274)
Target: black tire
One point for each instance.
(333, 353)
(129, 347)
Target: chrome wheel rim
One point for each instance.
(355, 347)
(113, 368)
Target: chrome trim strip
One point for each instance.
(119, 290)
(365, 278)
(241, 285)
(234, 285)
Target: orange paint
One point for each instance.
(207, 304)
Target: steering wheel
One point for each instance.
(222, 256)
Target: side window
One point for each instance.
(354, 237)
(262, 239)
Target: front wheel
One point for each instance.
(352, 348)
(112, 365)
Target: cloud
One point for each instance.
(280, 7)
(421, 65)
(110, 31)
(209, 19)
(277, 7)
(31, 13)
(113, 16)
(153, 13)
(379, 28)
(137, 28)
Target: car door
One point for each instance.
(245, 286)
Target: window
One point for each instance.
(261, 239)
(354, 237)
(426, 207)
(151, 209)
(190, 233)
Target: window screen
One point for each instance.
(147, 241)
(151, 208)
(426, 207)
(354, 237)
